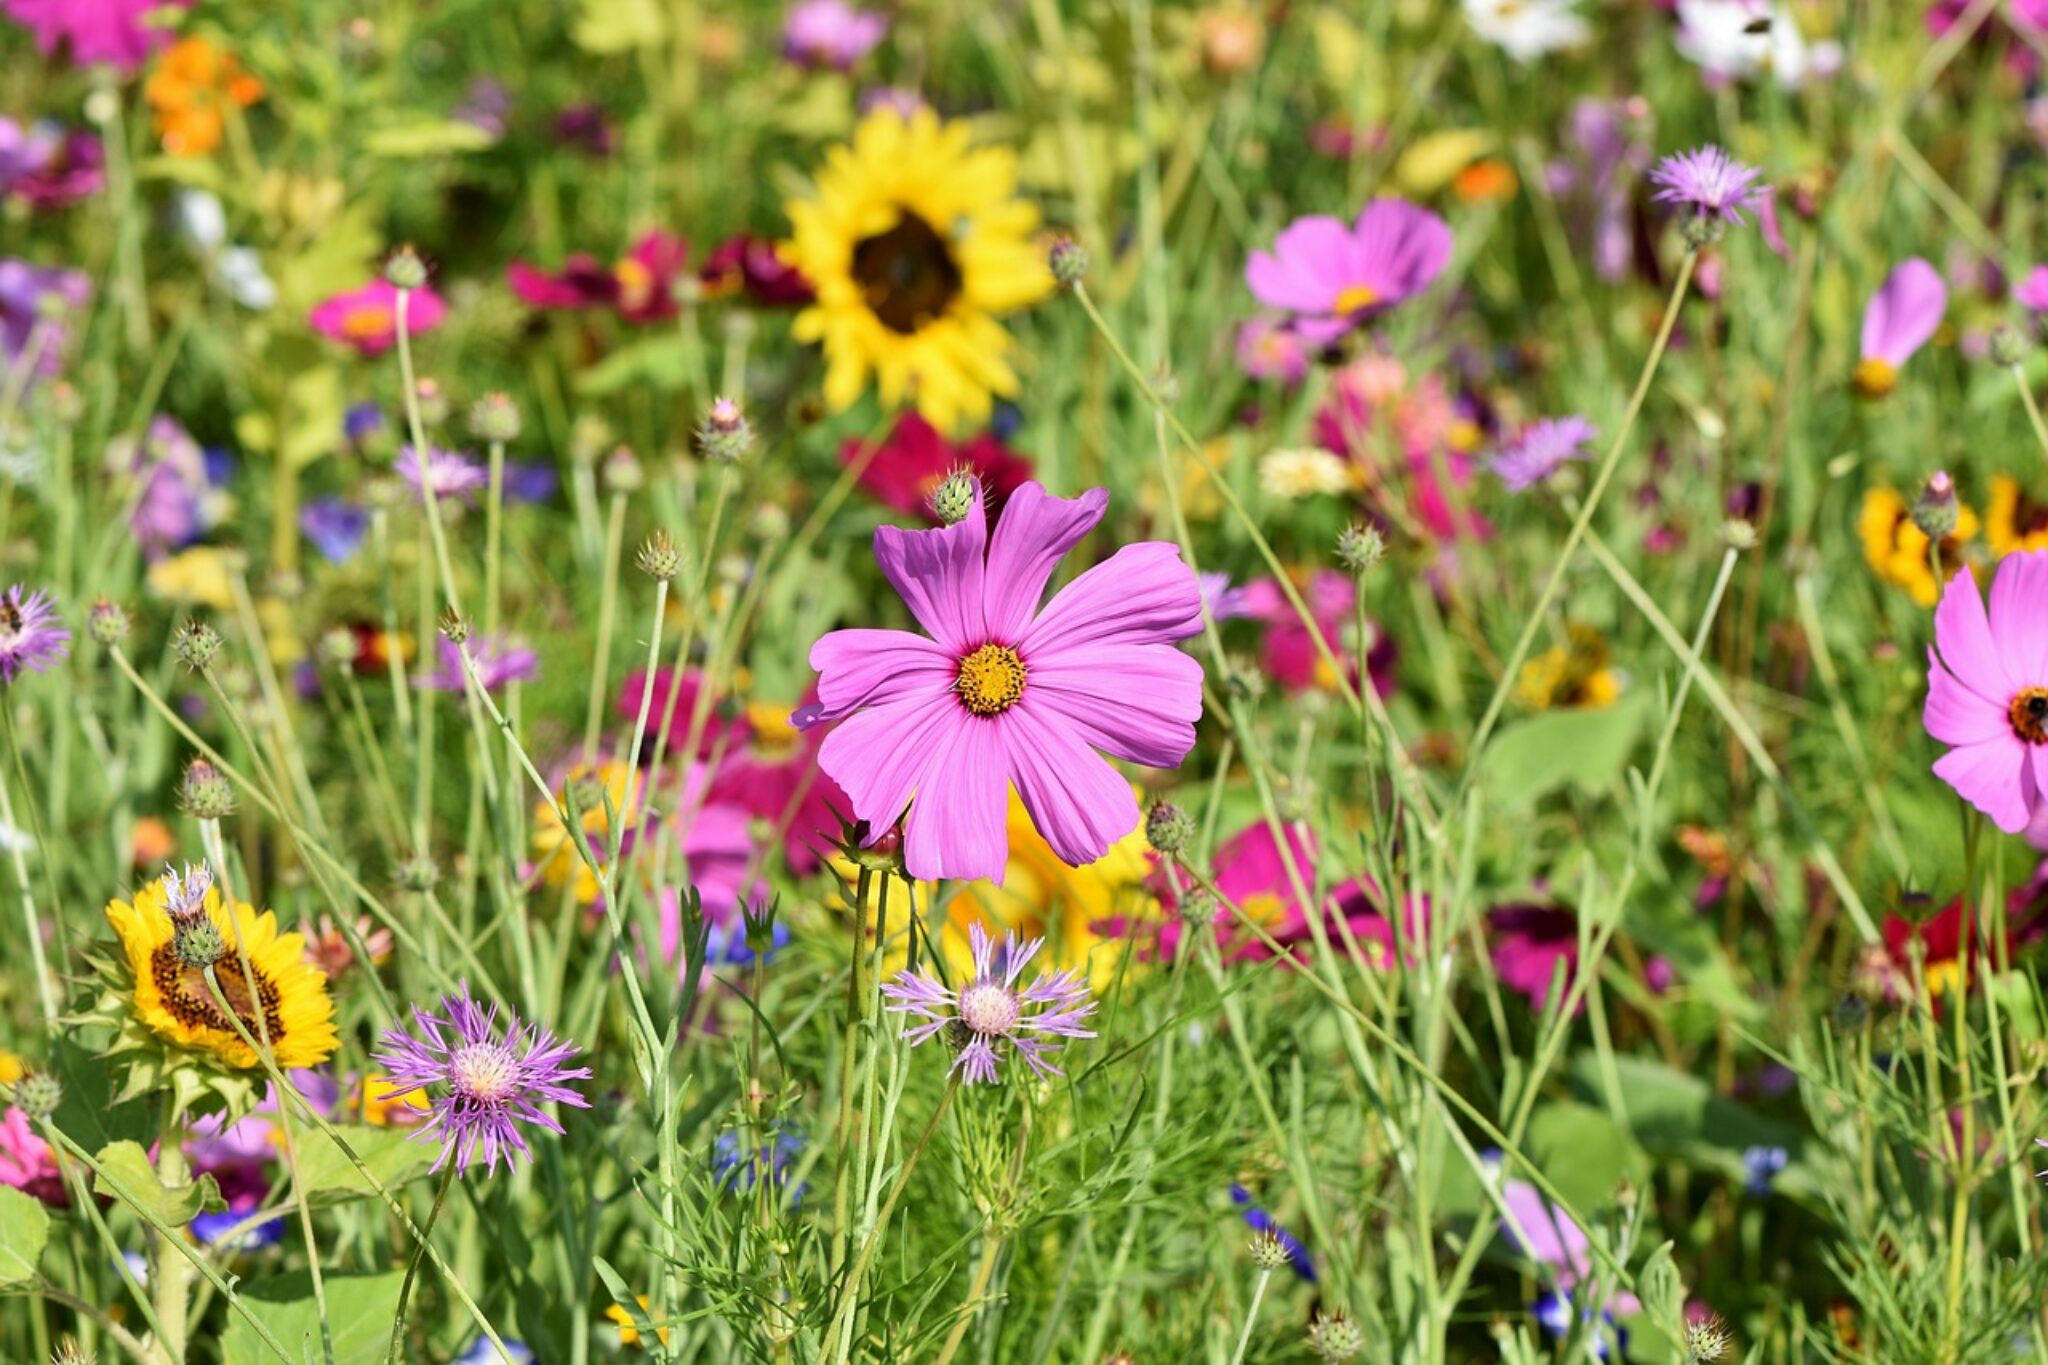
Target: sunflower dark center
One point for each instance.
(2028, 713)
(188, 999)
(907, 275)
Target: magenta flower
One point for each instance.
(1987, 690)
(989, 1010)
(1903, 314)
(30, 638)
(367, 318)
(2032, 293)
(1269, 349)
(449, 473)
(1005, 693)
(640, 287)
(821, 33)
(1542, 449)
(115, 32)
(483, 1084)
(1710, 183)
(1333, 277)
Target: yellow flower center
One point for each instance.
(2028, 712)
(907, 275)
(367, 320)
(991, 680)
(636, 284)
(1357, 297)
(1875, 378)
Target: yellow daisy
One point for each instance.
(1575, 675)
(174, 1001)
(556, 853)
(915, 247)
(2012, 520)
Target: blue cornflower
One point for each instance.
(1760, 1165)
(1258, 1220)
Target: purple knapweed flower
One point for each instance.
(482, 1083)
(830, 33)
(989, 1009)
(1542, 449)
(1710, 183)
(30, 638)
(448, 473)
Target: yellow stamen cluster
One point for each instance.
(991, 680)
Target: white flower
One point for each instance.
(239, 268)
(241, 271)
(1527, 29)
(1740, 39)
(1300, 472)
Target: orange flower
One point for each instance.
(189, 90)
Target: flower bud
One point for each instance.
(658, 557)
(953, 499)
(1738, 534)
(1702, 230)
(1706, 1339)
(1935, 511)
(2008, 346)
(204, 794)
(197, 643)
(1198, 909)
(1359, 548)
(433, 401)
(725, 434)
(494, 418)
(1068, 260)
(1335, 1336)
(1168, 828)
(107, 622)
(1269, 1253)
(623, 472)
(418, 873)
(198, 943)
(38, 1094)
(339, 646)
(405, 269)
(453, 626)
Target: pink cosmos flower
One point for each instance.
(2032, 292)
(1000, 692)
(1902, 316)
(1987, 690)
(111, 31)
(367, 318)
(1333, 277)
(26, 1162)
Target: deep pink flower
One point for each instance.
(1901, 317)
(1290, 656)
(1001, 692)
(640, 287)
(1527, 943)
(1987, 689)
(788, 792)
(1405, 437)
(917, 457)
(675, 696)
(367, 318)
(830, 33)
(1332, 277)
(2032, 292)
(755, 265)
(26, 1162)
(111, 31)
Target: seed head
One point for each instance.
(623, 472)
(197, 643)
(339, 646)
(1935, 511)
(953, 499)
(1268, 1252)
(433, 401)
(69, 1352)
(405, 269)
(204, 794)
(38, 1094)
(494, 418)
(453, 626)
(2009, 346)
(1168, 828)
(1706, 1339)
(1360, 548)
(1068, 260)
(1335, 1336)
(659, 558)
(725, 433)
(107, 622)
(1738, 534)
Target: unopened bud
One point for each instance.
(433, 401)
(454, 626)
(107, 622)
(1168, 828)
(418, 873)
(725, 434)
(38, 1094)
(2009, 346)
(1703, 230)
(623, 472)
(494, 418)
(1706, 1339)
(1335, 1337)
(1268, 1251)
(658, 557)
(1359, 548)
(197, 643)
(1068, 260)
(198, 943)
(1738, 534)
(1935, 511)
(204, 794)
(953, 499)
(405, 269)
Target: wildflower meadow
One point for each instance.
(1076, 682)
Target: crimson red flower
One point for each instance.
(916, 458)
(639, 288)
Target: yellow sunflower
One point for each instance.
(915, 247)
(555, 851)
(1896, 549)
(1571, 676)
(174, 1001)
(2013, 520)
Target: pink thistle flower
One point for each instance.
(1901, 317)
(1710, 183)
(116, 32)
(1001, 692)
(449, 473)
(1987, 690)
(367, 318)
(989, 1010)
(30, 638)
(1333, 277)
(822, 33)
(484, 1083)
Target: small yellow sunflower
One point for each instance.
(1575, 675)
(174, 1001)
(1896, 549)
(2012, 519)
(915, 247)
(555, 851)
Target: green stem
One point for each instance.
(412, 1264)
(849, 1290)
(1251, 1316)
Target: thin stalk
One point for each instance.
(412, 1264)
(849, 1289)
(1251, 1316)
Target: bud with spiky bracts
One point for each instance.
(197, 643)
(1360, 548)
(199, 943)
(1168, 828)
(1706, 1339)
(2008, 346)
(37, 1094)
(204, 794)
(433, 401)
(658, 556)
(494, 418)
(953, 499)
(1268, 1252)
(107, 622)
(725, 433)
(1936, 511)
(1334, 1336)
(454, 626)
(1068, 260)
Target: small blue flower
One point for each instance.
(1553, 1313)
(358, 424)
(481, 1352)
(335, 526)
(735, 1168)
(210, 1228)
(1258, 1220)
(530, 482)
(1760, 1165)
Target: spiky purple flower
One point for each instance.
(499, 659)
(1542, 449)
(482, 1083)
(30, 638)
(450, 473)
(1710, 182)
(989, 1009)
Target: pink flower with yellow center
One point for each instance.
(367, 318)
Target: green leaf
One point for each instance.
(360, 1311)
(89, 1114)
(393, 1157)
(426, 137)
(1662, 1293)
(316, 406)
(661, 363)
(24, 1227)
(1584, 1152)
(609, 26)
(124, 1173)
(1676, 1115)
(1585, 748)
